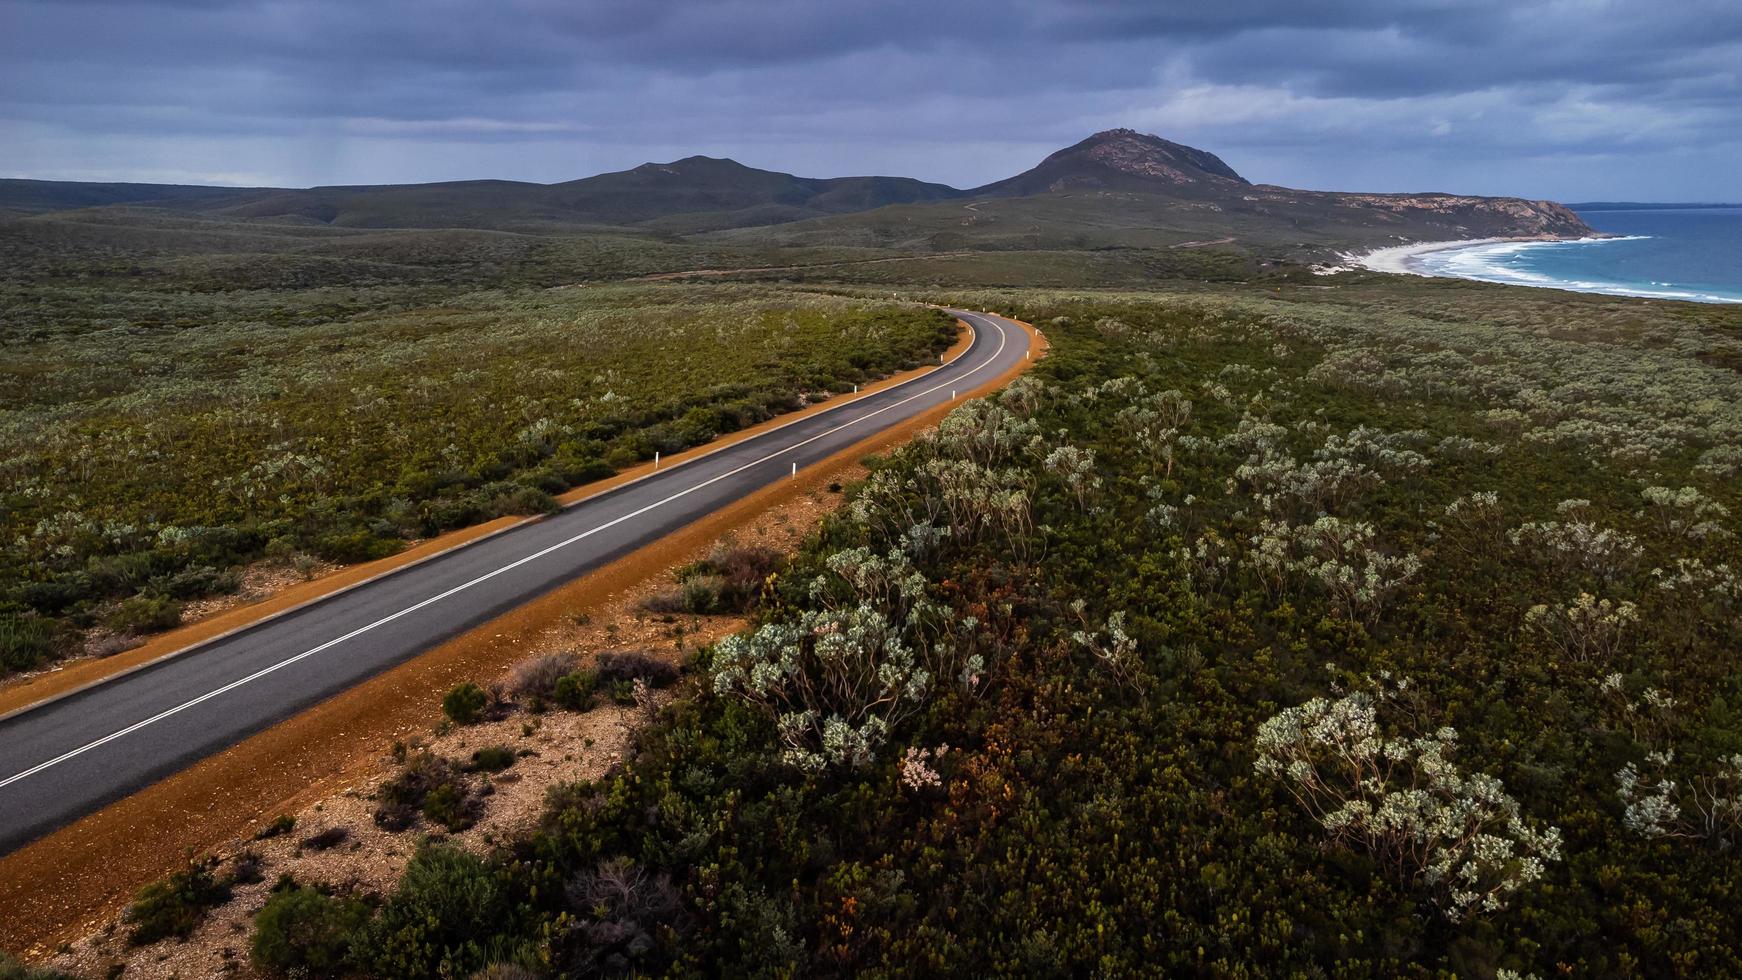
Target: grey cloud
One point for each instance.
(1463, 94)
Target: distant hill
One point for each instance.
(1123, 160)
(685, 196)
(62, 195)
(693, 194)
(1119, 188)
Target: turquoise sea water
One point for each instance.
(1691, 254)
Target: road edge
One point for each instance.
(567, 500)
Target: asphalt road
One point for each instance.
(66, 758)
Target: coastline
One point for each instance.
(1405, 259)
(1415, 259)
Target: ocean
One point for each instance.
(1689, 254)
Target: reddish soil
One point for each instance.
(72, 675)
(75, 881)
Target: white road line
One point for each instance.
(1003, 339)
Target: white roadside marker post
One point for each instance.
(656, 459)
(795, 470)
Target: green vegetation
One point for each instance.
(169, 410)
(493, 758)
(305, 932)
(436, 788)
(431, 924)
(1275, 624)
(11, 969)
(1385, 628)
(574, 691)
(175, 905)
(729, 580)
(282, 824)
(464, 705)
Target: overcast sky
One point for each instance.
(1569, 99)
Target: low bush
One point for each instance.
(574, 691)
(464, 705)
(303, 932)
(492, 758)
(513, 499)
(431, 786)
(627, 666)
(114, 643)
(197, 582)
(283, 824)
(728, 581)
(354, 546)
(438, 921)
(536, 679)
(26, 641)
(247, 868)
(145, 614)
(176, 905)
(450, 806)
(327, 839)
(11, 969)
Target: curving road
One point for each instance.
(67, 757)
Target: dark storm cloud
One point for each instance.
(1575, 98)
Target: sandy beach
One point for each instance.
(1404, 258)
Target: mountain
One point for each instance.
(1124, 189)
(1123, 160)
(1118, 188)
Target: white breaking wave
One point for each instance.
(1488, 261)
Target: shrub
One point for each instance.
(504, 971)
(429, 785)
(1404, 803)
(464, 705)
(728, 580)
(11, 969)
(194, 583)
(439, 920)
(701, 594)
(625, 666)
(26, 641)
(620, 908)
(327, 839)
(1587, 628)
(514, 499)
(283, 824)
(145, 614)
(246, 868)
(451, 806)
(114, 643)
(574, 691)
(176, 905)
(303, 931)
(355, 546)
(493, 758)
(537, 677)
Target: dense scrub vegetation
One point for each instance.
(1244, 637)
(161, 424)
